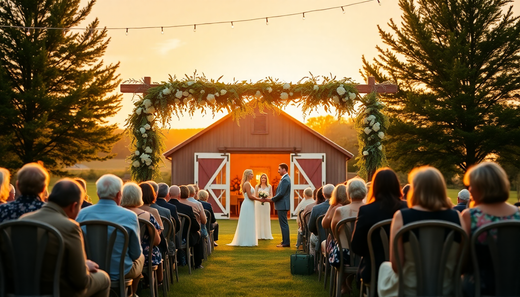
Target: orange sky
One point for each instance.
(288, 48)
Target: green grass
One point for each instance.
(246, 271)
(452, 193)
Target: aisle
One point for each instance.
(247, 271)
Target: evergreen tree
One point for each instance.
(457, 65)
(55, 92)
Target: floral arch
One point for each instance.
(176, 97)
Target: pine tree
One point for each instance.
(55, 92)
(457, 65)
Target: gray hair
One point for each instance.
(308, 192)
(327, 190)
(132, 195)
(463, 195)
(175, 191)
(356, 189)
(108, 186)
(163, 190)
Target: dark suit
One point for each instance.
(317, 211)
(214, 224)
(195, 237)
(461, 206)
(368, 216)
(173, 211)
(282, 203)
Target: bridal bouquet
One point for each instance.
(263, 195)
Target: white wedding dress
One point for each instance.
(263, 217)
(245, 235)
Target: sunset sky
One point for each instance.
(288, 48)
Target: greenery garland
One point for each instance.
(177, 97)
(371, 124)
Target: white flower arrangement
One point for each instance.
(269, 89)
(223, 92)
(341, 90)
(147, 126)
(139, 111)
(178, 94)
(185, 100)
(316, 88)
(217, 94)
(381, 135)
(191, 91)
(286, 86)
(367, 130)
(380, 147)
(150, 118)
(185, 93)
(335, 99)
(291, 93)
(137, 153)
(211, 98)
(202, 92)
(258, 94)
(147, 103)
(136, 164)
(284, 96)
(190, 83)
(142, 130)
(376, 126)
(148, 150)
(176, 101)
(352, 96)
(144, 135)
(365, 153)
(166, 91)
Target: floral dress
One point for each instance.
(145, 244)
(15, 209)
(479, 219)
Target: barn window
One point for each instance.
(260, 124)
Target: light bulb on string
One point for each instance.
(343, 9)
(126, 32)
(232, 26)
(379, 2)
(194, 28)
(303, 18)
(162, 30)
(267, 21)
(27, 32)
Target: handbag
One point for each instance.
(302, 264)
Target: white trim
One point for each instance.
(295, 187)
(224, 187)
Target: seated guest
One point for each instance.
(406, 189)
(163, 212)
(83, 183)
(192, 198)
(194, 235)
(384, 199)
(462, 200)
(132, 199)
(198, 211)
(79, 276)
(12, 193)
(5, 178)
(148, 198)
(203, 198)
(489, 187)
(317, 211)
(318, 198)
(32, 182)
(428, 200)
(108, 189)
(307, 200)
(163, 196)
(356, 192)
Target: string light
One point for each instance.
(232, 26)
(303, 18)
(162, 31)
(27, 32)
(194, 26)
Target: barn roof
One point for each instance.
(347, 154)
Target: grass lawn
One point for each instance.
(246, 271)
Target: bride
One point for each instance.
(245, 235)
(263, 212)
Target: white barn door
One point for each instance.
(307, 170)
(212, 175)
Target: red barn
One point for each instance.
(216, 157)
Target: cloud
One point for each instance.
(164, 47)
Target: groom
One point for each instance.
(282, 201)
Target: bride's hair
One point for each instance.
(244, 177)
(266, 180)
